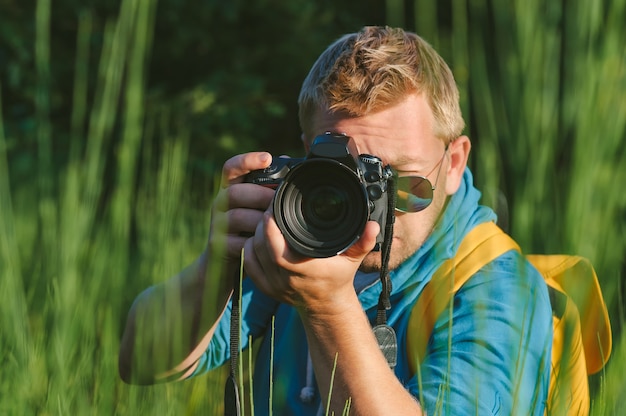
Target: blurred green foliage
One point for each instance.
(228, 71)
(116, 116)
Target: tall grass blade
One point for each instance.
(271, 380)
(332, 380)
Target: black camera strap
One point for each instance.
(232, 404)
(385, 335)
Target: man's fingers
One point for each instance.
(237, 166)
(273, 237)
(231, 229)
(234, 245)
(244, 195)
(243, 220)
(249, 195)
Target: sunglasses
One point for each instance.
(415, 193)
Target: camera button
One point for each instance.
(372, 176)
(374, 192)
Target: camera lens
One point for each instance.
(321, 208)
(325, 206)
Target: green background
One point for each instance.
(117, 115)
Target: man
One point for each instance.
(396, 98)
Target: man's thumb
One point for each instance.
(366, 242)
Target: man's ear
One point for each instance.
(458, 151)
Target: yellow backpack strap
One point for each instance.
(483, 244)
(575, 276)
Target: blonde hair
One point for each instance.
(365, 72)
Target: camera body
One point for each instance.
(324, 200)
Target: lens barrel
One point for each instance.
(321, 207)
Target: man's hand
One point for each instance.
(171, 324)
(238, 206)
(322, 291)
(315, 284)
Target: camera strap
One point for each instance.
(232, 403)
(385, 335)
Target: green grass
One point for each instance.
(69, 270)
(70, 264)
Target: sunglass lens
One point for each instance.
(414, 193)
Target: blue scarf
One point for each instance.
(461, 214)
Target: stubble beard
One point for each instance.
(401, 248)
(373, 262)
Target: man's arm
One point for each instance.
(171, 324)
(362, 373)
(322, 292)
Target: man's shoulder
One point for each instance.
(510, 276)
(513, 264)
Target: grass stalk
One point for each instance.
(240, 362)
(250, 374)
(271, 380)
(330, 389)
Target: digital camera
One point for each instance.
(324, 200)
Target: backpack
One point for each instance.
(582, 339)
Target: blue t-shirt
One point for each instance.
(490, 356)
